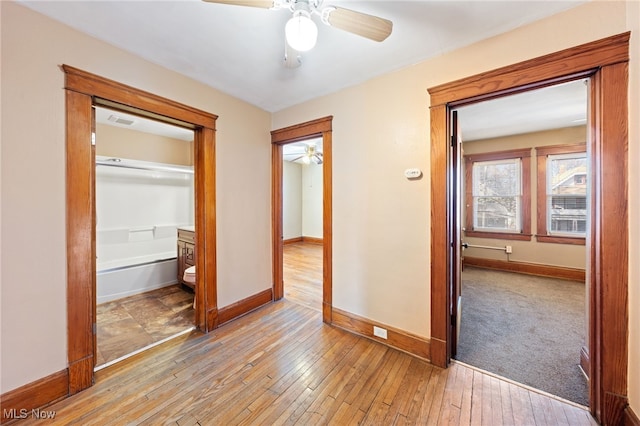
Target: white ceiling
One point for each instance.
(553, 107)
(141, 124)
(239, 50)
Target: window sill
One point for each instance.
(498, 235)
(556, 239)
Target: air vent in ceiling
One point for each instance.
(119, 120)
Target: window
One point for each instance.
(498, 195)
(562, 194)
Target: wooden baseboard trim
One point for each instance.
(572, 274)
(630, 418)
(244, 306)
(292, 240)
(615, 409)
(310, 240)
(398, 339)
(20, 402)
(584, 361)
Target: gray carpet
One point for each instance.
(525, 328)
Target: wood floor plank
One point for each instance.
(418, 399)
(434, 396)
(477, 399)
(467, 394)
(521, 406)
(506, 403)
(449, 412)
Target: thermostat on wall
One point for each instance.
(413, 173)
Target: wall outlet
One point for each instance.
(508, 249)
(380, 332)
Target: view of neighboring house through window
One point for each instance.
(567, 194)
(563, 182)
(497, 195)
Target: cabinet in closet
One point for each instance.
(186, 251)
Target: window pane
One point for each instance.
(567, 194)
(497, 190)
(492, 178)
(497, 213)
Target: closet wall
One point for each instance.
(138, 209)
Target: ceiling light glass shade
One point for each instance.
(301, 32)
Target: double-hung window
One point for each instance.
(563, 176)
(498, 194)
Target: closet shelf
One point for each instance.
(141, 165)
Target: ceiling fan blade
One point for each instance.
(368, 26)
(265, 4)
(318, 159)
(296, 159)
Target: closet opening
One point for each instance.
(83, 92)
(145, 234)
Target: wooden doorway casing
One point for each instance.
(321, 127)
(83, 91)
(605, 62)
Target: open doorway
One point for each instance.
(524, 199)
(321, 131)
(605, 62)
(144, 196)
(84, 91)
(302, 195)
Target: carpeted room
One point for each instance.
(526, 328)
(526, 197)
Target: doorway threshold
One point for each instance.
(137, 351)
(522, 385)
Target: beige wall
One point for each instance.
(567, 255)
(312, 200)
(112, 141)
(33, 286)
(301, 200)
(291, 200)
(381, 220)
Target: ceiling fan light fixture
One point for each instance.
(301, 32)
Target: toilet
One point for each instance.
(189, 277)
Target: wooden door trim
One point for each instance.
(606, 61)
(321, 127)
(83, 91)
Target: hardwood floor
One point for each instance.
(131, 323)
(282, 365)
(302, 270)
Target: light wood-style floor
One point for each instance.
(302, 272)
(282, 365)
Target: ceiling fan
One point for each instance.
(310, 154)
(301, 32)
